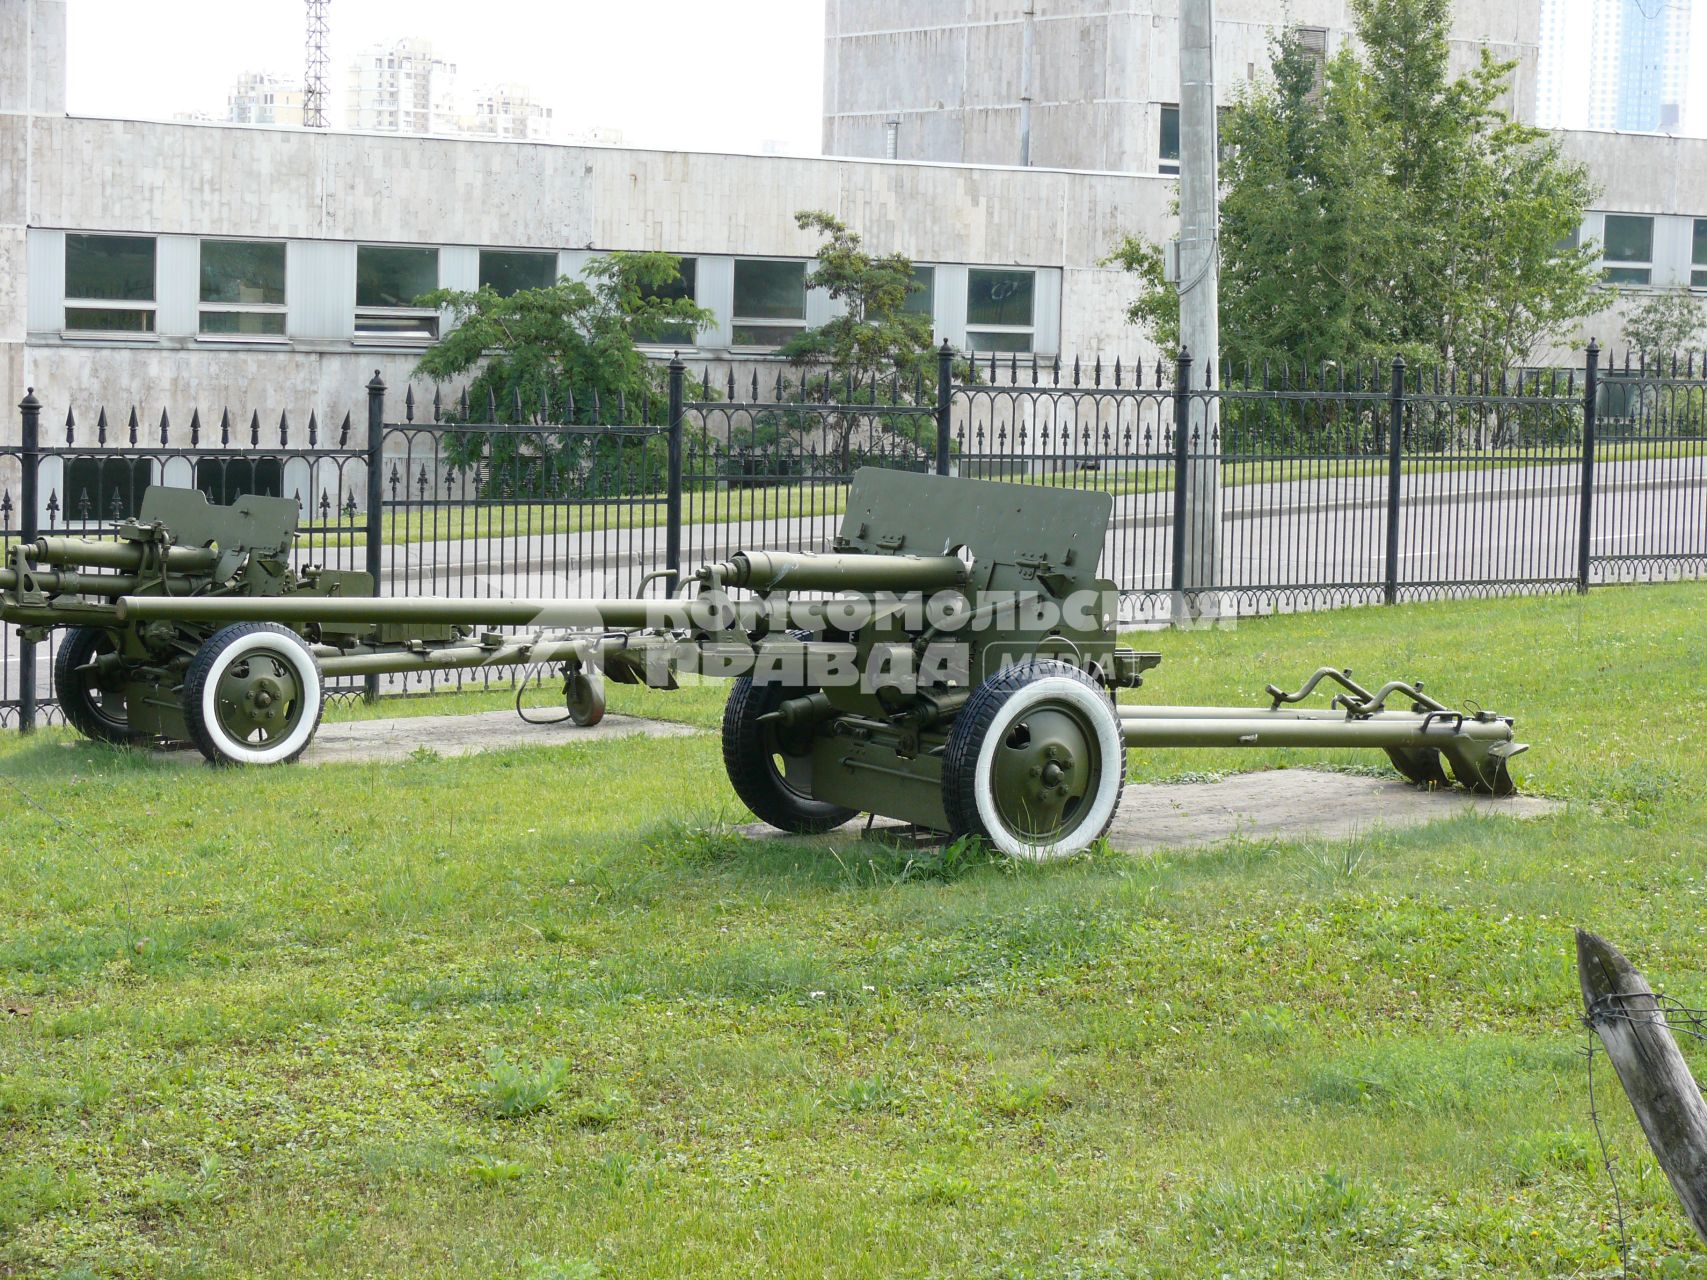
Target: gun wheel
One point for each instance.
(253, 695)
(770, 769)
(584, 692)
(91, 701)
(1035, 762)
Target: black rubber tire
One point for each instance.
(77, 648)
(584, 697)
(971, 726)
(208, 739)
(748, 748)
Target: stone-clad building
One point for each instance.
(180, 264)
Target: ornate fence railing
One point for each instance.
(1266, 489)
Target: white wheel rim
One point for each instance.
(307, 675)
(1099, 807)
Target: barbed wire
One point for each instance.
(1666, 1012)
(1606, 1159)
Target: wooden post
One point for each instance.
(1621, 1008)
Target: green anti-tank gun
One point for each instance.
(949, 661)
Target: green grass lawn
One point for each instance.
(540, 1014)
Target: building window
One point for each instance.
(1698, 260)
(1628, 248)
(388, 280)
(683, 286)
(109, 284)
(243, 288)
(1167, 152)
(508, 273)
(1314, 42)
(770, 302)
(225, 480)
(105, 488)
(922, 301)
(999, 309)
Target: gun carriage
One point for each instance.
(950, 661)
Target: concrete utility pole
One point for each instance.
(1199, 295)
(1028, 55)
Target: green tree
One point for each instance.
(565, 355)
(1665, 323)
(1375, 206)
(875, 352)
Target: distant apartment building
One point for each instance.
(401, 88)
(1562, 67)
(1638, 73)
(509, 111)
(260, 98)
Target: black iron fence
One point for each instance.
(1253, 491)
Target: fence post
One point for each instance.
(673, 502)
(29, 493)
(1585, 526)
(1395, 457)
(944, 405)
(375, 499)
(1182, 460)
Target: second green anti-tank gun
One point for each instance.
(950, 661)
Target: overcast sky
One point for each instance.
(691, 74)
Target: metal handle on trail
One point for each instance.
(1322, 673)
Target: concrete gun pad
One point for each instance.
(357, 740)
(1284, 804)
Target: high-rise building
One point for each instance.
(509, 111)
(261, 98)
(402, 88)
(1638, 77)
(1563, 67)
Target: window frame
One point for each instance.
(922, 301)
(480, 265)
(1025, 333)
(423, 334)
(1698, 253)
(1636, 271)
(689, 273)
(737, 320)
(1314, 41)
(1165, 163)
(147, 309)
(204, 308)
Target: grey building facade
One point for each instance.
(1078, 84)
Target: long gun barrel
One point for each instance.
(111, 585)
(835, 571)
(126, 557)
(566, 615)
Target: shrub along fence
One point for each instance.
(1257, 490)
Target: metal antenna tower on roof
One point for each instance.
(314, 80)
